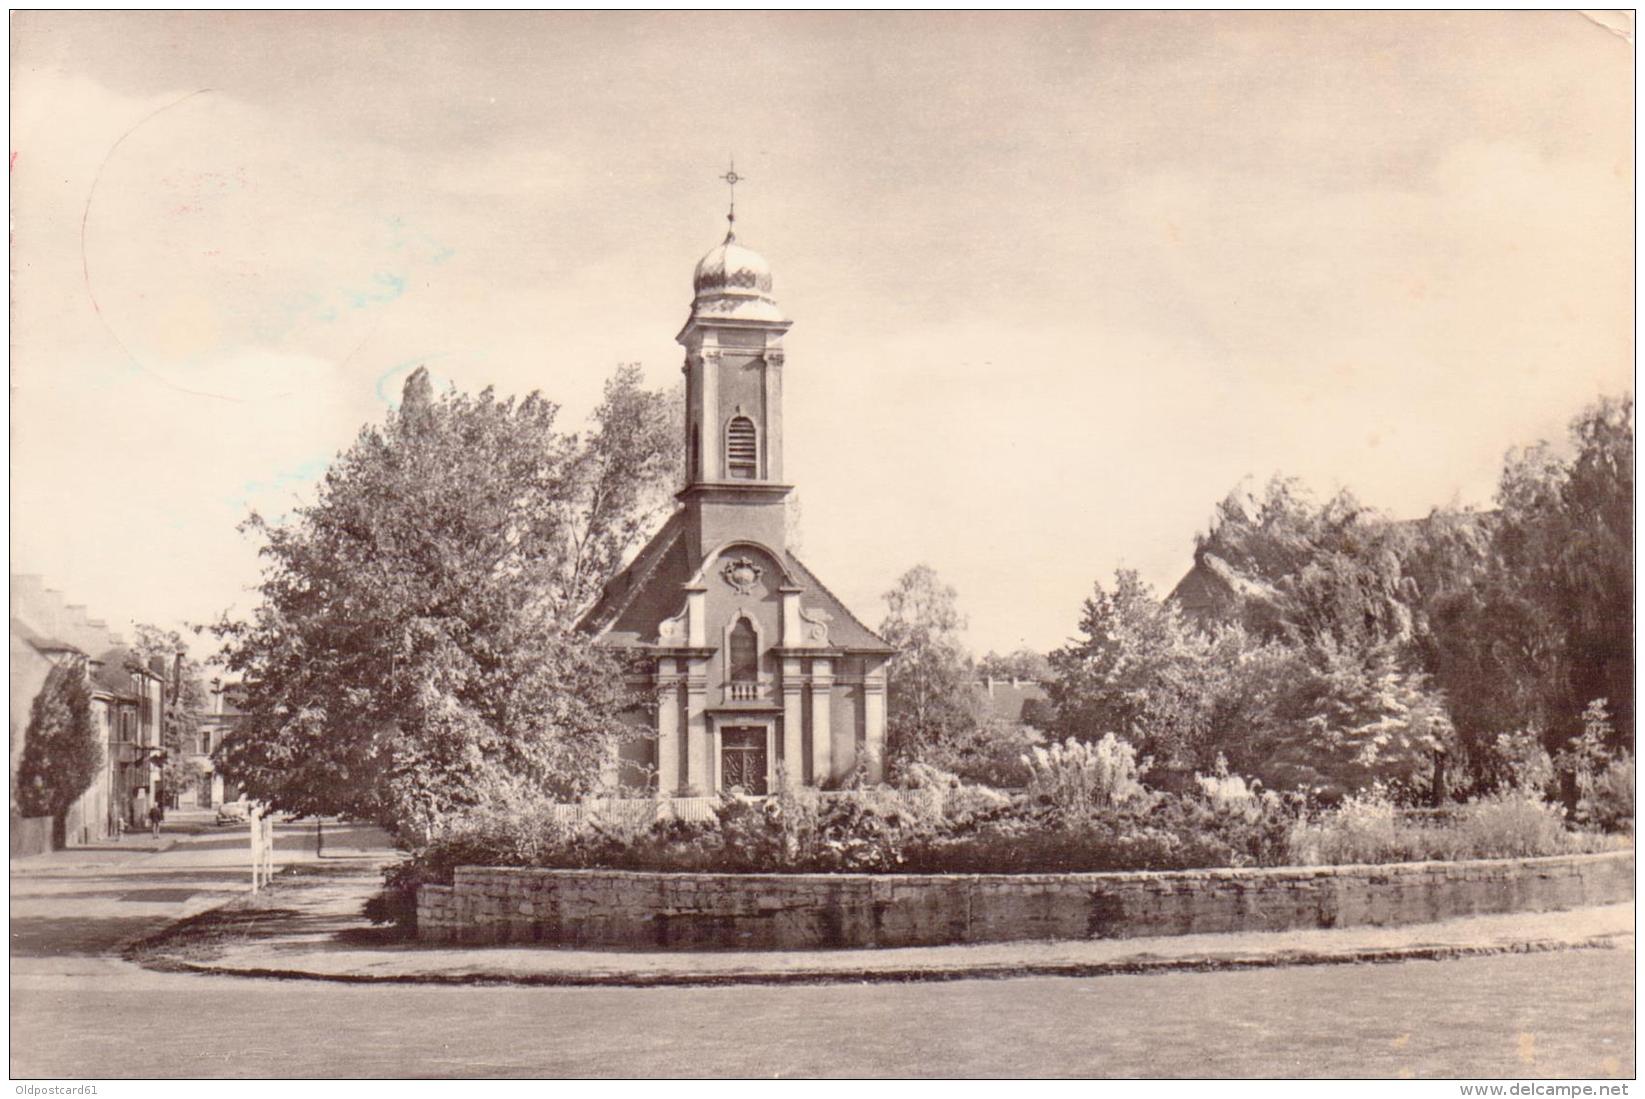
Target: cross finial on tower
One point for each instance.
(732, 178)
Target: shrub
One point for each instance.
(1086, 812)
(940, 798)
(1508, 825)
(1522, 763)
(1077, 778)
(1608, 801)
(1369, 829)
(1365, 827)
(989, 752)
(1604, 785)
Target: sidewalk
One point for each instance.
(308, 925)
(74, 910)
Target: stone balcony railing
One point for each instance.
(746, 691)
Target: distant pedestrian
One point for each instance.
(156, 815)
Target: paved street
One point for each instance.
(79, 1011)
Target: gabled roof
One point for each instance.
(1211, 588)
(42, 642)
(112, 672)
(638, 599)
(615, 611)
(845, 631)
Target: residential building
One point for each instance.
(136, 709)
(1017, 701)
(127, 704)
(220, 720)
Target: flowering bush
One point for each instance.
(1078, 778)
(1523, 763)
(1086, 812)
(942, 799)
(1508, 825)
(1369, 828)
(1608, 802)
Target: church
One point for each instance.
(762, 676)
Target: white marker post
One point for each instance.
(254, 818)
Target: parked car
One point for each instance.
(233, 812)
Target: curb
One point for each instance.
(133, 948)
(1140, 965)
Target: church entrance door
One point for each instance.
(742, 759)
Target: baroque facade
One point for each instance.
(762, 676)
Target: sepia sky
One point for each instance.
(1059, 281)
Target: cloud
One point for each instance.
(1059, 279)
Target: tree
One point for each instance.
(1566, 545)
(1349, 719)
(412, 654)
(1525, 614)
(1137, 670)
(1302, 571)
(1316, 714)
(186, 699)
(620, 482)
(930, 690)
(62, 752)
(1022, 664)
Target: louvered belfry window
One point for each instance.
(741, 449)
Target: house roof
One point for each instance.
(1211, 587)
(40, 641)
(46, 618)
(1008, 697)
(112, 672)
(622, 591)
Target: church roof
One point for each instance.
(611, 614)
(846, 631)
(634, 604)
(733, 283)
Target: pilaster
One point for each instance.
(697, 764)
(793, 722)
(713, 430)
(773, 417)
(822, 732)
(873, 707)
(793, 631)
(696, 617)
(668, 728)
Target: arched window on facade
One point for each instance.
(744, 657)
(742, 461)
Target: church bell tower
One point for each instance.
(761, 675)
(734, 393)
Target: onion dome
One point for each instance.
(734, 283)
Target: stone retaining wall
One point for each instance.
(802, 911)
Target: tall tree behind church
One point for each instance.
(930, 694)
(620, 484)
